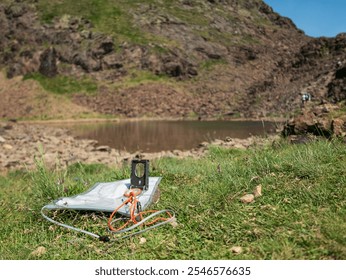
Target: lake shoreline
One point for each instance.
(23, 144)
(101, 120)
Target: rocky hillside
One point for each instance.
(201, 58)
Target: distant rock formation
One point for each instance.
(202, 59)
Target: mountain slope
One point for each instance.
(169, 58)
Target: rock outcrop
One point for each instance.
(48, 65)
(317, 121)
(337, 87)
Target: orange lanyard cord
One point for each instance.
(132, 198)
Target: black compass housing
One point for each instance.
(140, 174)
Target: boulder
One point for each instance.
(338, 127)
(211, 50)
(107, 45)
(103, 47)
(192, 71)
(86, 62)
(112, 61)
(340, 73)
(4, 25)
(65, 54)
(48, 66)
(337, 87)
(308, 123)
(304, 122)
(14, 70)
(16, 10)
(86, 34)
(153, 63)
(173, 69)
(315, 121)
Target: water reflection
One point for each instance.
(155, 136)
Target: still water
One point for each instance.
(155, 136)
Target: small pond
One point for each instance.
(155, 136)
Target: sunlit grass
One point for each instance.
(108, 16)
(301, 214)
(63, 84)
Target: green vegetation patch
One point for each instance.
(63, 84)
(300, 215)
(212, 63)
(108, 16)
(137, 77)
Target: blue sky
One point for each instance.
(315, 17)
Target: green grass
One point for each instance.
(209, 64)
(198, 18)
(139, 77)
(301, 215)
(63, 84)
(116, 17)
(108, 16)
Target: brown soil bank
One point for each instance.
(28, 100)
